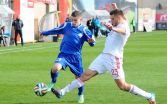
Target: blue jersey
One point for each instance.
(74, 37)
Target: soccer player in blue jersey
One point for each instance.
(75, 34)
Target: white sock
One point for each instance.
(137, 91)
(74, 84)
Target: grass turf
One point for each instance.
(145, 65)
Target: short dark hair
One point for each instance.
(76, 14)
(117, 12)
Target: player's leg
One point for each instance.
(75, 83)
(3, 41)
(95, 68)
(55, 71)
(78, 70)
(21, 36)
(60, 63)
(54, 74)
(118, 75)
(16, 33)
(135, 90)
(75, 64)
(80, 89)
(80, 93)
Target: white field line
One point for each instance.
(24, 50)
(16, 48)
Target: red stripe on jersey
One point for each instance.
(115, 71)
(117, 62)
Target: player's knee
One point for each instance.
(123, 87)
(56, 68)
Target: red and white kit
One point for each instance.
(111, 59)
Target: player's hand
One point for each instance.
(114, 6)
(90, 40)
(108, 26)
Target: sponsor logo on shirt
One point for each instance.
(80, 35)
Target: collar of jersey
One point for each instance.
(75, 26)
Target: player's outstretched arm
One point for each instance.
(54, 31)
(114, 6)
(116, 29)
(49, 32)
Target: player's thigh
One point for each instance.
(118, 73)
(60, 63)
(115, 66)
(76, 69)
(75, 65)
(98, 65)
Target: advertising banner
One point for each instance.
(161, 19)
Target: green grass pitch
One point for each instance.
(145, 65)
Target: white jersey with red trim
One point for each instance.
(115, 41)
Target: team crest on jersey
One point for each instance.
(80, 35)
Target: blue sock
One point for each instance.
(80, 90)
(54, 76)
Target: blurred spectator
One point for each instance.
(93, 25)
(159, 6)
(97, 24)
(133, 23)
(2, 38)
(104, 31)
(89, 24)
(18, 25)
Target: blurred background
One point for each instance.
(143, 15)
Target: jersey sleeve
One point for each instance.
(88, 34)
(55, 31)
(125, 26)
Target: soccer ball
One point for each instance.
(40, 89)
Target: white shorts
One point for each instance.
(107, 62)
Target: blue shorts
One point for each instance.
(74, 62)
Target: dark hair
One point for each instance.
(76, 14)
(117, 12)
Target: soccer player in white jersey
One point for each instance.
(111, 59)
